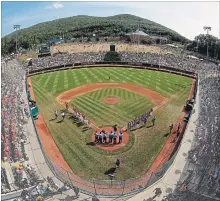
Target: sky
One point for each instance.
(186, 18)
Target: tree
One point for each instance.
(112, 56)
(128, 39)
(199, 44)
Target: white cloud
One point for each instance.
(56, 5)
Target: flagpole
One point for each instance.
(138, 34)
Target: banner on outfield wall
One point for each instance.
(144, 117)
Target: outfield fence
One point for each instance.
(112, 188)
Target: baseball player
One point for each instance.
(110, 137)
(67, 106)
(104, 137)
(115, 128)
(100, 137)
(117, 163)
(179, 125)
(153, 120)
(171, 128)
(63, 115)
(114, 138)
(56, 114)
(96, 136)
(120, 137)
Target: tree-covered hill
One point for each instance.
(86, 26)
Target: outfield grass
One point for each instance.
(145, 143)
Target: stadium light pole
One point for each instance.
(63, 42)
(206, 28)
(138, 34)
(17, 27)
(160, 50)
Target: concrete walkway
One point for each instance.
(168, 182)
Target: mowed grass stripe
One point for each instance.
(66, 80)
(78, 153)
(40, 78)
(85, 76)
(107, 108)
(134, 108)
(75, 78)
(90, 109)
(93, 76)
(134, 104)
(114, 77)
(47, 79)
(102, 109)
(42, 94)
(102, 74)
(59, 83)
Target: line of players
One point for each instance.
(101, 137)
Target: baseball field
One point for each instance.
(136, 92)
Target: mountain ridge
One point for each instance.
(85, 26)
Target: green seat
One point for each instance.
(34, 112)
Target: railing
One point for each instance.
(107, 187)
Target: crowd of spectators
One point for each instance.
(178, 61)
(64, 59)
(12, 112)
(15, 114)
(201, 175)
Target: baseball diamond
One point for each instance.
(85, 90)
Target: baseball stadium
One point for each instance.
(110, 120)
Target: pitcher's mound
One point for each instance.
(111, 100)
(111, 146)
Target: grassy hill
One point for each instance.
(83, 25)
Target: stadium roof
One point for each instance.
(171, 45)
(137, 32)
(158, 37)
